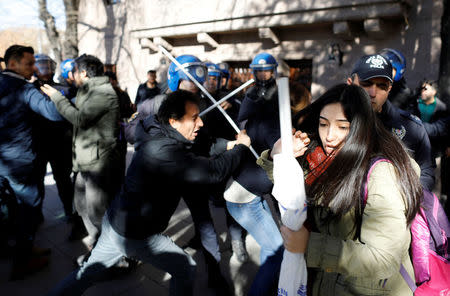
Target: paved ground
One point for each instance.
(145, 279)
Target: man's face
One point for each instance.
(378, 89)
(151, 77)
(79, 76)
(427, 92)
(212, 83)
(25, 66)
(263, 75)
(189, 125)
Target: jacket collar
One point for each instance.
(94, 82)
(13, 74)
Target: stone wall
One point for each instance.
(128, 34)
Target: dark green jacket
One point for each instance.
(95, 120)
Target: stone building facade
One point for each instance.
(314, 41)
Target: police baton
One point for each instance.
(230, 121)
(227, 97)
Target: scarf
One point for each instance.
(318, 162)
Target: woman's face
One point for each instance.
(333, 128)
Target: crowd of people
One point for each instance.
(82, 125)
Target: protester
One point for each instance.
(19, 99)
(205, 145)
(148, 89)
(162, 170)
(245, 190)
(96, 153)
(374, 74)
(430, 109)
(356, 246)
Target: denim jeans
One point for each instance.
(256, 218)
(158, 250)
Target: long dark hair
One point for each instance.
(339, 187)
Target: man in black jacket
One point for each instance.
(374, 74)
(162, 170)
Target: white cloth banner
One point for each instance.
(289, 191)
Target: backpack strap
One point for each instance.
(364, 195)
(407, 278)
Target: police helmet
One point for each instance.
(397, 60)
(214, 70)
(263, 61)
(44, 64)
(192, 64)
(66, 67)
(224, 68)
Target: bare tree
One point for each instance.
(68, 47)
(70, 44)
(444, 65)
(50, 29)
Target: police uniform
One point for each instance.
(410, 130)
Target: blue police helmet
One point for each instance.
(45, 64)
(397, 60)
(214, 70)
(66, 67)
(224, 67)
(192, 64)
(263, 61)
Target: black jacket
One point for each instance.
(162, 170)
(259, 111)
(410, 130)
(145, 93)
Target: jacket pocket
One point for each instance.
(87, 154)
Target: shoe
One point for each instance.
(33, 265)
(239, 250)
(37, 251)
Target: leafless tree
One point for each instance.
(68, 47)
(70, 44)
(50, 29)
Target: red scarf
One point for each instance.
(318, 162)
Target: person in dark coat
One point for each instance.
(163, 168)
(18, 101)
(374, 74)
(54, 139)
(148, 89)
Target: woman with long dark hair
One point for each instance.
(356, 247)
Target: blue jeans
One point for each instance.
(256, 218)
(158, 250)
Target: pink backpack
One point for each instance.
(430, 247)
